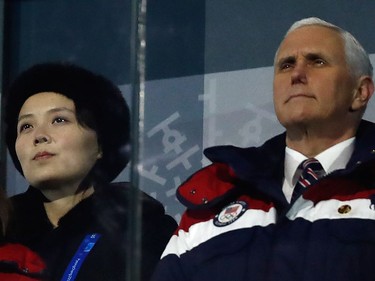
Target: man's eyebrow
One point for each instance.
(314, 55)
(308, 56)
(288, 59)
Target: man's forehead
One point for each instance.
(312, 39)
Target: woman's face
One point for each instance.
(52, 147)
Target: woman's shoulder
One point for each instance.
(121, 193)
(118, 195)
(112, 203)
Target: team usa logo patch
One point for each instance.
(230, 213)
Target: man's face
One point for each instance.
(312, 83)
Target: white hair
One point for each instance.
(356, 57)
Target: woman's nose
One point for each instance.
(41, 138)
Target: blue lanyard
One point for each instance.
(75, 264)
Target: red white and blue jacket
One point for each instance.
(19, 263)
(239, 226)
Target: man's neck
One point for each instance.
(312, 142)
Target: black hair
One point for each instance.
(99, 105)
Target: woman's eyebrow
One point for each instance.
(58, 109)
(53, 110)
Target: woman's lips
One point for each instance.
(43, 155)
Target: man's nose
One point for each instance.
(299, 73)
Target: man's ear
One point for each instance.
(362, 93)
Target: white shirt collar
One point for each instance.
(334, 158)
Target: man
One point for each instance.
(251, 217)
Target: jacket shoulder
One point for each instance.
(20, 263)
(208, 186)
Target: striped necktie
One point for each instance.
(312, 170)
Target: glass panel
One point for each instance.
(96, 35)
(210, 76)
(210, 73)
(2, 151)
(173, 110)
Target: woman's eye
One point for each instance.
(59, 120)
(24, 127)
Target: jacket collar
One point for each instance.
(253, 162)
(255, 165)
(364, 149)
(268, 159)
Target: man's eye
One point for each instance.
(285, 66)
(319, 62)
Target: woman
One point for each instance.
(67, 131)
